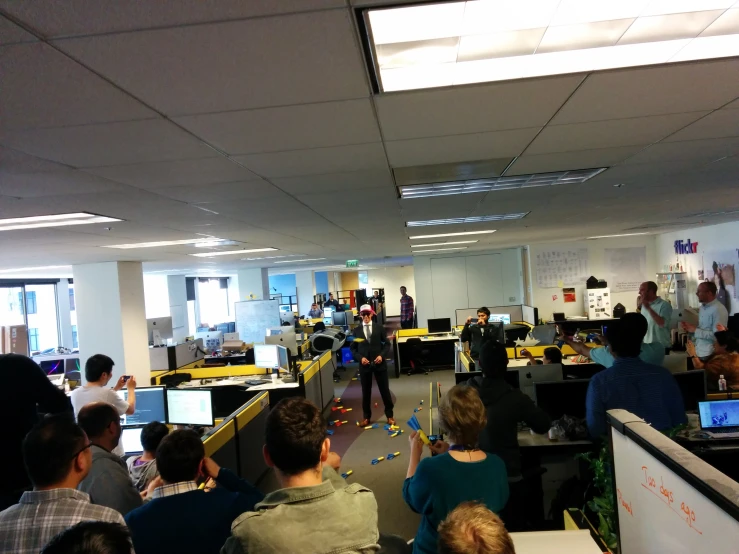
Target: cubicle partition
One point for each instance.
(220, 444)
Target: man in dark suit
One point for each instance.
(369, 349)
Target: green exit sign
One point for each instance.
(352, 263)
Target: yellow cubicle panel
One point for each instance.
(412, 332)
(325, 358)
(219, 438)
(215, 372)
(309, 370)
(251, 410)
(511, 353)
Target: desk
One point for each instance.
(555, 542)
(721, 454)
(440, 347)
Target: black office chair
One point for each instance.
(417, 356)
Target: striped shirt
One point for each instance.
(27, 527)
(406, 308)
(646, 390)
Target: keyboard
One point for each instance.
(732, 433)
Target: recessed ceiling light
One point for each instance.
(231, 252)
(439, 250)
(38, 268)
(473, 219)
(460, 234)
(613, 236)
(456, 43)
(58, 220)
(266, 258)
(443, 243)
(197, 242)
(299, 261)
(493, 184)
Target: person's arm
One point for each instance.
(465, 335)
(131, 388)
(697, 362)
(602, 355)
(707, 333)
(122, 406)
(536, 418)
(658, 319)
(579, 347)
(595, 411)
(417, 490)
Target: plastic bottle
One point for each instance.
(721, 383)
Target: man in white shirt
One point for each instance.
(98, 373)
(711, 314)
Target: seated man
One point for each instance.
(108, 482)
(315, 312)
(552, 355)
(646, 390)
(91, 537)
(314, 510)
(473, 529)
(143, 469)
(651, 353)
(179, 516)
(57, 457)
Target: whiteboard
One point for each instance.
(253, 317)
(557, 268)
(662, 512)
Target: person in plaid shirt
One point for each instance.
(406, 310)
(57, 457)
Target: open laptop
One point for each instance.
(131, 440)
(528, 375)
(720, 418)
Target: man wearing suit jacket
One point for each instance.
(369, 349)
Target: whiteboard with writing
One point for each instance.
(253, 317)
(561, 267)
(659, 512)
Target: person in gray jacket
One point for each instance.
(143, 468)
(311, 491)
(108, 482)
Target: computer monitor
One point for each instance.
(692, 386)
(131, 440)
(339, 318)
(439, 325)
(528, 375)
(500, 318)
(266, 355)
(71, 365)
(190, 407)
(284, 337)
(562, 397)
(718, 414)
(52, 367)
(212, 340)
(283, 358)
(161, 324)
(150, 406)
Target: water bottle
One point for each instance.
(721, 383)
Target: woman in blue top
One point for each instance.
(460, 472)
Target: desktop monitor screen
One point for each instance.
(161, 324)
(150, 406)
(719, 413)
(131, 440)
(265, 355)
(562, 397)
(500, 318)
(328, 311)
(339, 318)
(528, 375)
(692, 386)
(52, 367)
(283, 358)
(439, 325)
(190, 407)
(71, 364)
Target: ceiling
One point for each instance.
(256, 122)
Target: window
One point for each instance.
(31, 302)
(75, 344)
(71, 298)
(33, 339)
(21, 310)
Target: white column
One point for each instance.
(111, 316)
(305, 282)
(253, 282)
(65, 318)
(178, 307)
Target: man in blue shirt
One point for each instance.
(653, 353)
(711, 314)
(658, 313)
(646, 390)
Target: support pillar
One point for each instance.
(253, 284)
(65, 316)
(305, 282)
(178, 307)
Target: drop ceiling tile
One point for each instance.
(89, 17)
(155, 175)
(458, 148)
(10, 33)
(583, 159)
(295, 59)
(385, 200)
(287, 128)
(719, 124)
(248, 190)
(108, 143)
(13, 162)
(44, 88)
(636, 92)
(608, 134)
(52, 183)
(726, 24)
(700, 151)
(472, 109)
(360, 157)
(334, 182)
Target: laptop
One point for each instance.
(720, 418)
(131, 440)
(528, 375)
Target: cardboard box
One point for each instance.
(15, 339)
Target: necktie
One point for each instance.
(367, 332)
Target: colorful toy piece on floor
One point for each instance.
(377, 460)
(329, 431)
(388, 427)
(338, 401)
(393, 455)
(418, 409)
(344, 410)
(347, 474)
(413, 424)
(395, 433)
(421, 402)
(373, 426)
(354, 378)
(340, 423)
(334, 408)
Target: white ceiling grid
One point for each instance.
(262, 112)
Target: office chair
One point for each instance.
(417, 354)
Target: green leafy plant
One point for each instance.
(602, 504)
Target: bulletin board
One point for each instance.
(561, 267)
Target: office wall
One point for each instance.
(718, 243)
(349, 280)
(322, 282)
(391, 279)
(285, 284)
(448, 282)
(156, 295)
(542, 297)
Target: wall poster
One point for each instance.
(720, 267)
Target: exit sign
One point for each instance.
(352, 263)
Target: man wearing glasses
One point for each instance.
(57, 455)
(369, 349)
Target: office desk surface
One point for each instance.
(429, 338)
(241, 382)
(521, 362)
(526, 439)
(555, 542)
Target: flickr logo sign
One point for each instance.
(682, 247)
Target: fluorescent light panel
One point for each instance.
(461, 220)
(459, 234)
(38, 268)
(457, 43)
(58, 220)
(439, 250)
(232, 252)
(613, 236)
(199, 242)
(299, 261)
(443, 243)
(492, 184)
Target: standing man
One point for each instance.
(406, 309)
(712, 313)
(369, 348)
(657, 312)
(332, 302)
(479, 333)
